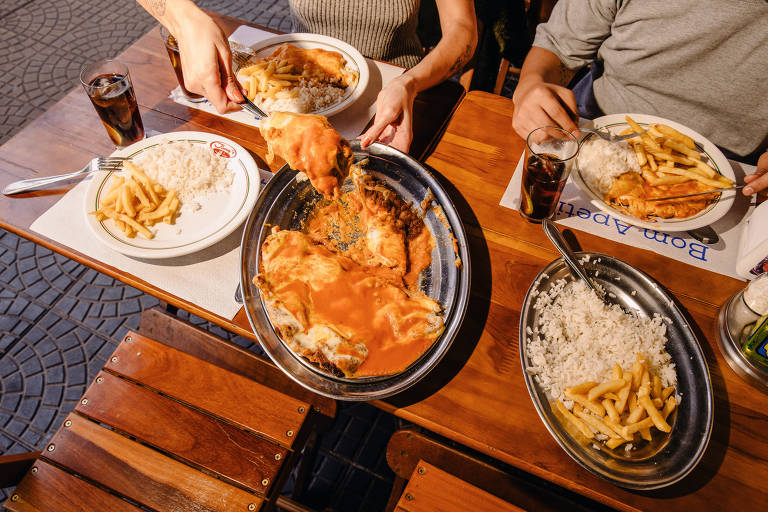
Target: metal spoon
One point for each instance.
(554, 235)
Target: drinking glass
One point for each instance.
(549, 156)
(109, 87)
(172, 47)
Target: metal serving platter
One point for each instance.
(670, 458)
(286, 202)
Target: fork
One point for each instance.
(611, 137)
(241, 59)
(111, 163)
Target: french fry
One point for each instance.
(582, 388)
(610, 410)
(135, 225)
(587, 404)
(583, 428)
(127, 202)
(653, 413)
(642, 159)
(674, 134)
(644, 137)
(656, 386)
(692, 175)
(624, 392)
(666, 392)
(669, 156)
(682, 148)
(652, 162)
(605, 387)
(596, 424)
(645, 433)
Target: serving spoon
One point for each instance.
(554, 235)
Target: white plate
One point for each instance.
(354, 59)
(219, 215)
(616, 123)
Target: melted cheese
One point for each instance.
(308, 143)
(327, 306)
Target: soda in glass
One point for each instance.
(549, 156)
(109, 87)
(172, 47)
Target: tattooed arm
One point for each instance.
(205, 56)
(541, 98)
(394, 105)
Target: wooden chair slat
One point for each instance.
(237, 399)
(188, 434)
(183, 336)
(140, 473)
(432, 489)
(50, 489)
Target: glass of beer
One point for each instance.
(172, 47)
(109, 87)
(549, 156)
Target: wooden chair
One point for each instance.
(430, 475)
(194, 424)
(431, 489)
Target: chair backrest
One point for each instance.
(430, 488)
(166, 430)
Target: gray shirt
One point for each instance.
(702, 63)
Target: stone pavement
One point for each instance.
(59, 320)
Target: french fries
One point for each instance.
(277, 76)
(134, 202)
(623, 409)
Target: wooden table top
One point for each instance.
(477, 395)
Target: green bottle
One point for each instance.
(756, 346)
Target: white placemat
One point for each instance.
(575, 211)
(207, 278)
(350, 122)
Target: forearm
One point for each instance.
(543, 65)
(172, 13)
(455, 49)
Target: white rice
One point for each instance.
(192, 170)
(579, 338)
(601, 162)
(311, 97)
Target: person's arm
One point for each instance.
(541, 98)
(567, 42)
(757, 181)
(206, 59)
(393, 123)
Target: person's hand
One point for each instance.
(206, 62)
(393, 124)
(538, 103)
(758, 180)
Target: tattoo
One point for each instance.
(461, 61)
(158, 6)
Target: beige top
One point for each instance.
(383, 30)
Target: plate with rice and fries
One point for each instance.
(302, 73)
(623, 386)
(176, 194)
(631, 178)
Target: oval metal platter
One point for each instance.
(670, 458)
(286, 202)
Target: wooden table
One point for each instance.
(477, 395)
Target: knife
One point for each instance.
(715, 191)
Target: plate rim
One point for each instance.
(250, 195)
(717, 211)
(358, 58)
(532, 386)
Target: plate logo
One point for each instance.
(223, 149)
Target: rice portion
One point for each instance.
(579, 338)
(192, 170)
(601, 162)
(310, 96)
